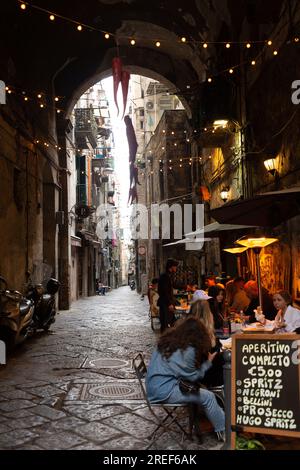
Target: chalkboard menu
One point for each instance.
(266, 383)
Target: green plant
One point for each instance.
(243, 443)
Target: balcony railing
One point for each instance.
(85, 127)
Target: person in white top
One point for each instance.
(287, 319)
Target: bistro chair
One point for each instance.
(170, 409)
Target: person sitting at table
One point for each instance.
(217, 304)
(287, 319)
(268, 308)
(200, 309)
(183, 353)
(240, 300)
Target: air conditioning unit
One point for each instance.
(149, 105)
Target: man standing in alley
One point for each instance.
(166, 301)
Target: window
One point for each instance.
(142, 112)
(142, 94)
(141, 124)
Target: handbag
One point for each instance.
(187, 388)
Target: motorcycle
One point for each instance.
(16, 314)
(44, 304)
(132, 285)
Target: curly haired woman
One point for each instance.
(183, 353)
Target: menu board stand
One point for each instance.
(265, 379)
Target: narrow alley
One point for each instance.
(74, 387)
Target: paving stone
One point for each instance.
(89, 446)
(92, 413)
(63, 440)
(125, 442)
(12, 405)
(19, 414)
(131, 424)
(12, 439)
(16, 394)
(47, 412)
(66, 424)
(4, 428)
(97, 432)
(45, 391)
(28, 422)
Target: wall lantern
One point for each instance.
(224, 194)
(270, 165)
(257, 244)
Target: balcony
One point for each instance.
(85, 128)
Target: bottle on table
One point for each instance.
(226, 327)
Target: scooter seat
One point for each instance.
(25, 306)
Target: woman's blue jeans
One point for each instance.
(207, 400)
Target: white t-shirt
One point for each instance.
(291, 318)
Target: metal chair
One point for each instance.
(170, 419)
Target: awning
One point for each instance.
(188, 241)
(215, 229)
(75, 241)
(264, 210)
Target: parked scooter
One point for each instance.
(44, 304)
(16, 313)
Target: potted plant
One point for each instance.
(245, 443)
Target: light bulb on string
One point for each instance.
(132, 42)
(228, 46)
(253, 62)
(51, 17)
(230, 70)
(205, 45)
(107, 36)
(248, 45)
(183, 39)
(39, 95)
(275, 52)
(269, 43)
(209, 80)
(157, 44)
(79, 27)
(23, 6)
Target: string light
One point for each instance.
(227, 45)
(52, 17)
(23, 6)
(79, 27)
(56, 98)
(248, 45)
(39, 95)
(107, 36)
(157, 44)
(275, 52)
(132, 42)
(253, 62)
(269, 43)
(296, 39)
(183, 39)
(230, 70)
(41, 105)
(205, 45)
(25, 98)
(209, 80)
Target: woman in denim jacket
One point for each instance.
(183, 353)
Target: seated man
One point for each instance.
(268, 308)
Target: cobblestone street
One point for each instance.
(74, 387)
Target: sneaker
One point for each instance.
(221, 436)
